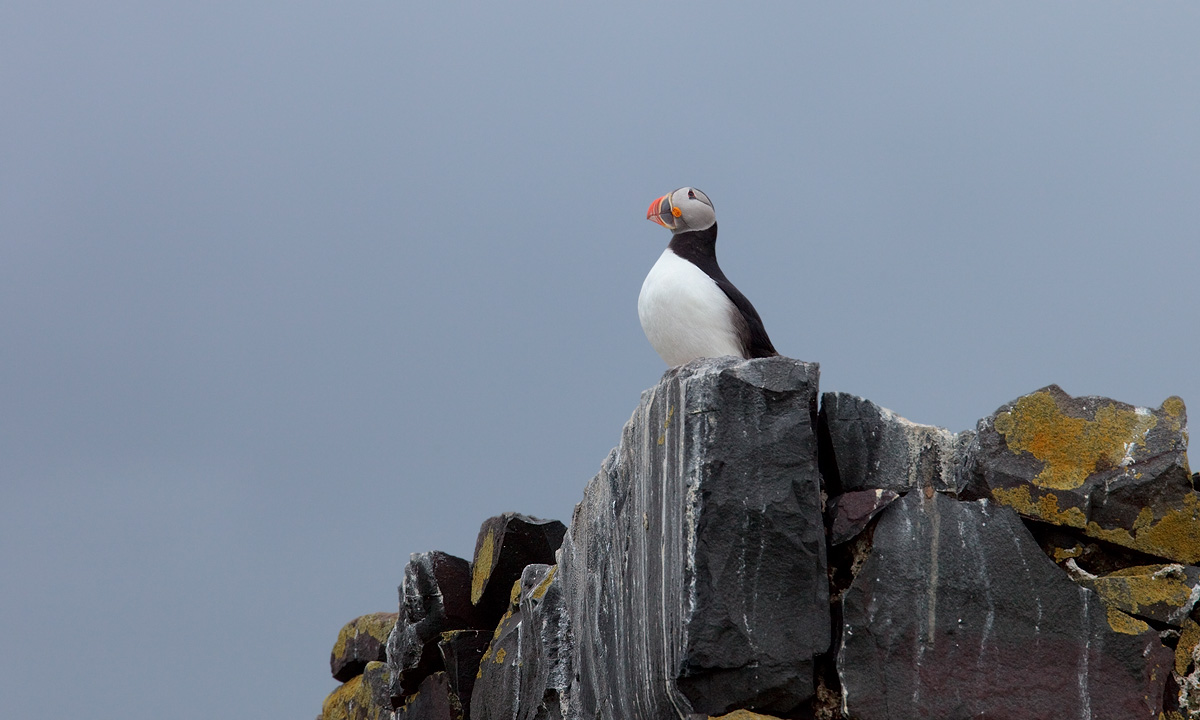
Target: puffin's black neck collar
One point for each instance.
(696, 244)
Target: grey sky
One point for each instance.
(291, 290)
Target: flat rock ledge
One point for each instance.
(754, 550)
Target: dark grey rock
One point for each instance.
(849, 513)
(867, 447)
(526, 669)
(694, 569)
(432, 700)
(461, 652)
(958, 614)
(435, 598)
(1115, 472)
(506, 544)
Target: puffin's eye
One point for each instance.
(692, 194)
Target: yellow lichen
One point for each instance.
(1044, 508)
(1189, 637)
(500, 656)
(346, 702)
(482, 567)
(1122, 623)
(1135, 589)
(1175, 536)
(666, 424)
(377, 625)
(1061, 554)
(1071, 448)
(540, 591)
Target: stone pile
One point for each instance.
(754, 550)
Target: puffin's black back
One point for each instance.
(699, 247)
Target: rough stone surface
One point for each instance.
(1187, 672)
(461, 652)
(435, 598)
(872, 448)
(694, 569)
(1163, 593)
(850, 512)
(360, 641)
(1115, 472)
(353, 701)
(433, 700)
(695, 580)
(506, 544)
(958, 614)
(526, 669)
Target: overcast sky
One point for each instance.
(291, 290)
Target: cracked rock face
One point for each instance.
(694, 569)
(1117, 473)
(958, 614)
(506, 545)
(872, 448)
(526, 669)
(435, 598)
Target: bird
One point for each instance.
(688, 308)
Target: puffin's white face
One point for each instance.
(685, 209)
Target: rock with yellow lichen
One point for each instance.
(1045, 566)
(360, 641)
(525, 672)
(1112, 471)
(506, 545)
(1164, 594)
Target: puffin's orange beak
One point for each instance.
(660, 212)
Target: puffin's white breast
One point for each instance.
(685, 314)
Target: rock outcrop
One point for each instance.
(744, 553)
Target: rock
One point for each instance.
(433, 700)
(506, 544)
(850, 512)
(435, 598)
(1162, 593)
(377, 686)
(461, 652)
(1187, 671)
(353, 701)
(694, 568)
(1115, 472)
(362, 640)
(958, 614)
(526, 669)
(867, 447)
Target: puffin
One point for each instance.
(687, 306)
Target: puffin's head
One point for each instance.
(685, 209)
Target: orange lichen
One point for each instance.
(1174, 536)
(1071, 448)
